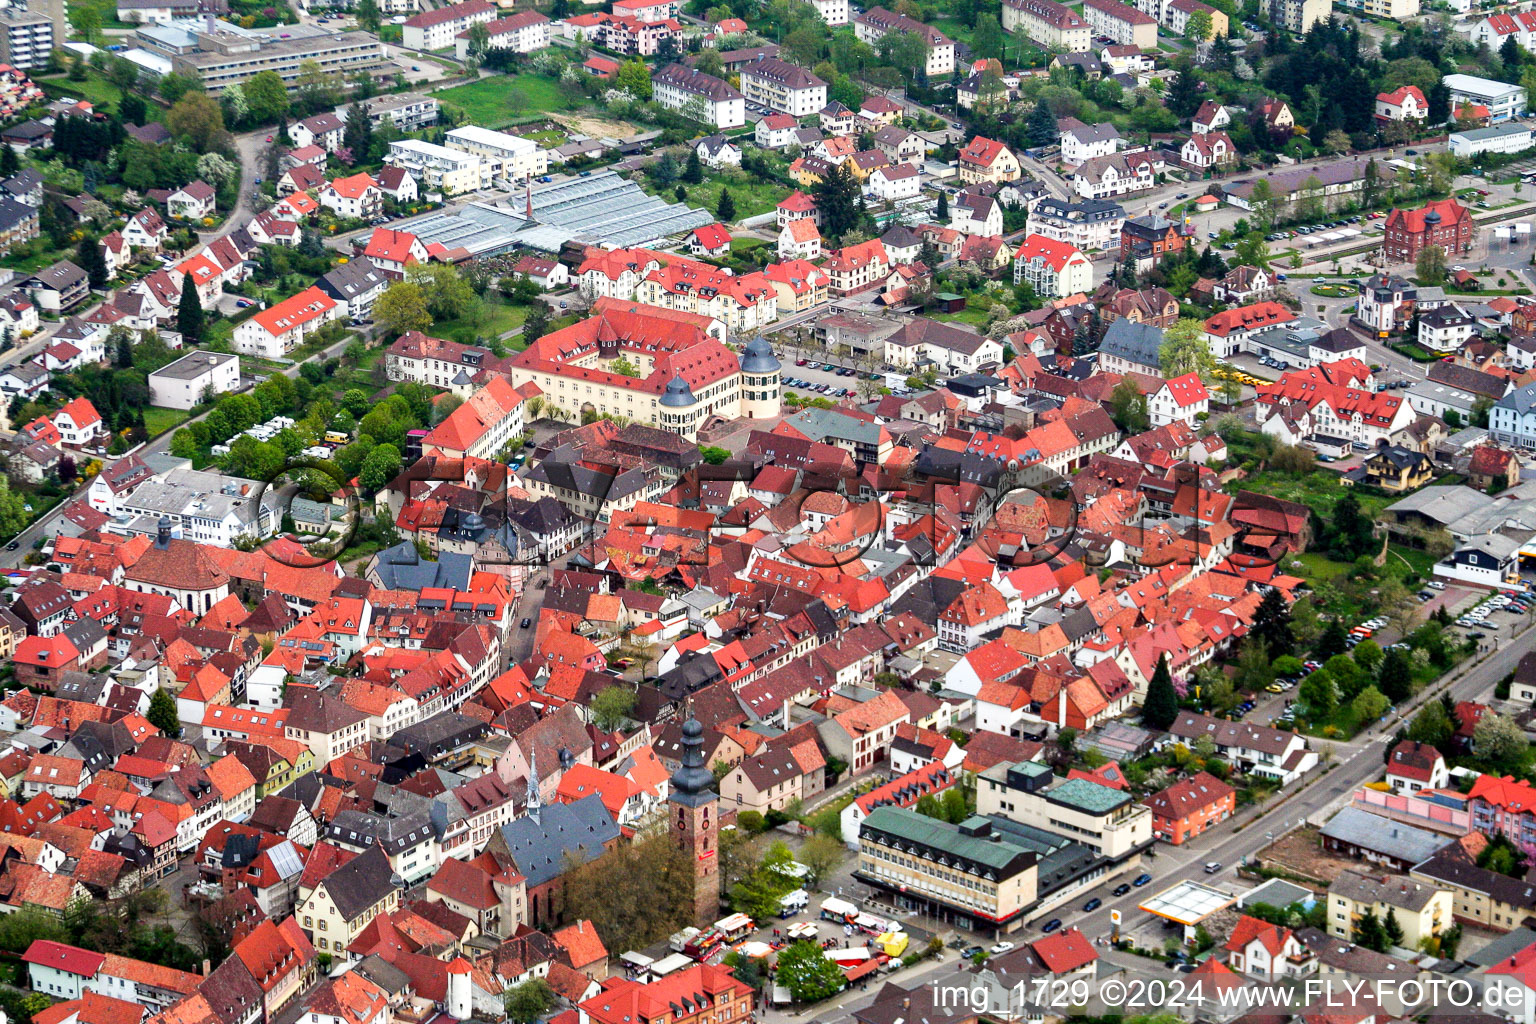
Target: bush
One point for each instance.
(751, 822)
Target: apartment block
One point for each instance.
(510, 156)
(439, 168)
(717, 102)
(1048, 24)
(780, 85)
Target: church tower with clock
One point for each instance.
(693, 823)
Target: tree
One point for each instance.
(1369, 933)
(821, 855)
(402, 308)
(162, 713)
(368, 16)
(726, 210)
(1430, 265)
(1185, 350)
(527, 1002)
(1319, 694)
(810, 977)
(1392, 929)
(89, 257)
(1350, 533)
(266, 97)
(1449, 940)
(1431, 725)
(929, 807)
(19, 930)
(536, 325)
(987, 38)
(693, 169)
(189, 312)
(315, 87)
(479, 40)
(1252, 249)
(611, 707)
(380, 467)
(196, 118)
(1255, 671)
(1498, 741)
(1161, 706)
(1198, 27)
(1370, 704)
(1185, 94)
(953, 805)
(715, 456)
(123, 74)
(1261, 203)
(839, 197)
(1272, 624)
(941, 210)
(1395, 676)
(636, 894)
(1042, 126)
(10, 163)
(358, 134)
(1128, 407)
(634, 77)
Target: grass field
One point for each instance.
(158, 421)
(751, 196)
(98, 90)
(106, 10)
(500, 317)
(976, 316)
(505, 99)
(1318, 490)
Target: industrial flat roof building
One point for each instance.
(1503, 100)
(220, 54)
(601, 210)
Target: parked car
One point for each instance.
(1142, 880)
(1051, 925)
(1212, 867)
(525, 624)
(1092, 905)
(1122, 889)
(1001, 947)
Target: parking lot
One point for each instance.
(838, 382)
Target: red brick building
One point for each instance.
(1186, 809)
(1150, 237)
(1445, 223)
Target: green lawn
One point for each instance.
(158, 421)
(43, 258)
(752, 196)
(976, 316)
(106, 10)
(98, 90)
(505, 99)
(500, 317)
(1319, 490)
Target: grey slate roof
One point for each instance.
(1361, 828)
(542, 842)
(402, 568)
(359, 883)
(1134, 342)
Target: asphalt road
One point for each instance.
(1352, 765)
